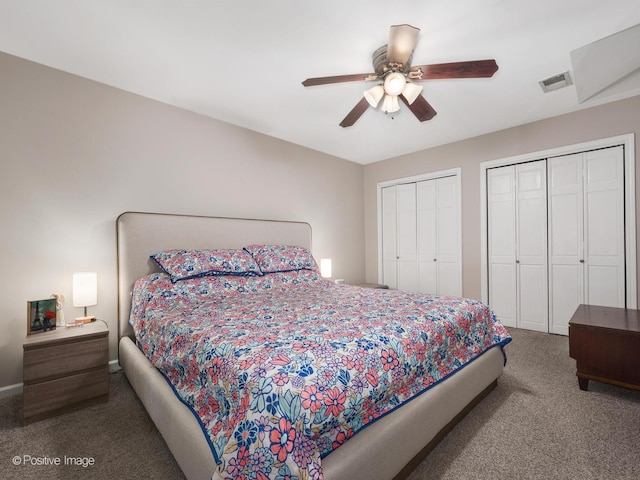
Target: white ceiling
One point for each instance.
(243, 61)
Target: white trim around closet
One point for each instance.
(453, 172)
(628, 142)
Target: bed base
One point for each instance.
(388, 448)
(391, 447)
(417, 460)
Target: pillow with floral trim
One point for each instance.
(184, 264)
(282, 258)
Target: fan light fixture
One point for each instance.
(394, 84)
(390, 104)
(374, 95)
(411, 91)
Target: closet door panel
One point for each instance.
(532, 297)
(502, 297)
(604, 287)
(427, 236)
(566, 294)
(407, 238)
(448, 283)
(604, 227)
(566, 270)
(502, 243)
(501, 215)
(389, 228)
(447, 236)
(531, 240)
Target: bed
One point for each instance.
(388, 444)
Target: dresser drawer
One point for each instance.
(44, 399)
(49, 362)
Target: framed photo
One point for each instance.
(41, 316)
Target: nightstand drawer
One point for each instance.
(45, 399)
(48, 362)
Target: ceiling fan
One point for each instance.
(392, 66)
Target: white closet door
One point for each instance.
(566, 261)
(502, 243)
(427, 236)
(389, 237)
(407, 248)
(420, 235)
(447, 231)
(604, 227)
(531, 239)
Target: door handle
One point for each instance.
(582, 260)
(435, 259)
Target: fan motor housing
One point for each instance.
(381, 66)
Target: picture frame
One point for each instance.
(41, 316)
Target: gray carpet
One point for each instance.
(536, 424)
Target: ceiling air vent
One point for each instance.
(556, 82)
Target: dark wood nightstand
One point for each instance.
(605, 342)
(64, 370)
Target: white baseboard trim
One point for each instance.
(11, 390)
(114, 366)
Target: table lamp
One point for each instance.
(85, 293)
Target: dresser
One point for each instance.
(64, 370)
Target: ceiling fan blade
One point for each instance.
(402, 41)
(356, 77)
(470, 69)
(353, 116)
(420, 108)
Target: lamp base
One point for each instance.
(83, 320)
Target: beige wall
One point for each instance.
(75, 154)
(609, 120)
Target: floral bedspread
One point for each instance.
(284, 368)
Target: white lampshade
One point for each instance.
(374, 95)
(85, 289)
(394, 84)
(411, 91)
(390, 104)
(325, 267)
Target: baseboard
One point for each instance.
(114, 366)
(11, 390)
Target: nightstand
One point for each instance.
(64, 370)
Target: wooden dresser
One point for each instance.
(605, 343)
(64, 370)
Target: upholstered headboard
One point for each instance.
(143, 234)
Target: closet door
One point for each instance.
(389, 241)
(420, 236)
(566, 261)
(531, 246)
(427, 236)
(586, 238)
(438, 237)
(407, 247)
(604, 227)
(448, 237)
(501, 231)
